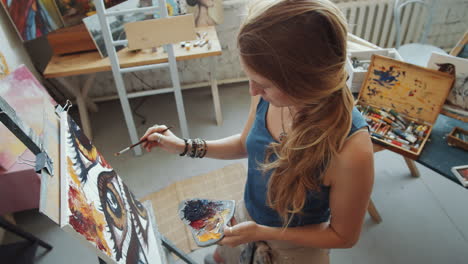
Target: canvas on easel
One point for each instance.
(97, 207)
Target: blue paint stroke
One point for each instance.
(386, 78)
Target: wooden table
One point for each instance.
(90, 63)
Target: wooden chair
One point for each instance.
(414, 172)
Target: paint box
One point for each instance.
(206, 218)
(356, 73)
(414, 93)
(458, 138)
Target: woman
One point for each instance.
(309, 152)
(202, 17)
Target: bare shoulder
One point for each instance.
(355, 160)
(357, 147)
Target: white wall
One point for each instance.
(11, 45)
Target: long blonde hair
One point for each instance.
(300, 45)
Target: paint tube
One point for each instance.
(397, 116)
(377, 135)
(407, 136)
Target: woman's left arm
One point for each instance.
(352, 180)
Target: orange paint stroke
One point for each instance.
(86, 219)
(72, 173)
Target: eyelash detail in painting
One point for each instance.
(114, 209)
(87, 155)
(139, 215)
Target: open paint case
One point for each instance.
(206, 218)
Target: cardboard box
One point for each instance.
(415, 94)
(357, 74)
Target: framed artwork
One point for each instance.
(97, 207)
(206, 12)
(116, 23)
(461, 172)
(457, 100)
(33, 18)
(29, 99)
(461, 49)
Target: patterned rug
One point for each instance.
(223, 184)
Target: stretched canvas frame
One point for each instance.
(98, 208)
(461, 49)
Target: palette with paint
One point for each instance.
(396, 90)
(206, 218)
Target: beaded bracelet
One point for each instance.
(205, 149)
(194, 148)
(200, 148)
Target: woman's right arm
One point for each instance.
(232, 147)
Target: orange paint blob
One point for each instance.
(208, 236)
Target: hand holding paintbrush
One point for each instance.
(147, 142)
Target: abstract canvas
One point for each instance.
(30, 100)
(206, 12)
(116, 23)
(97, 207)
(33, 18)
(458, 96)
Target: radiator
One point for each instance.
(373, 20)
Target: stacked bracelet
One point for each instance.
(185, 149)
(194, 148)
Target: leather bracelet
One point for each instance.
(185, 149)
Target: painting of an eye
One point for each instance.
(113, 204)
(110, 195)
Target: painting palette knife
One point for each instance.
(98, 208)
(116, 23)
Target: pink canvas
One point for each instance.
(29, 99)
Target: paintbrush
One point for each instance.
(138, 143)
